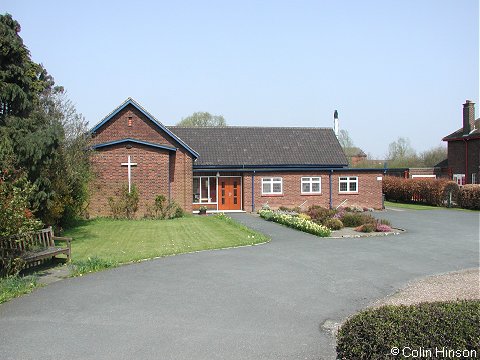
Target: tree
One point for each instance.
(434, 155)
(202, 119)
(345, 140)
(21, 80)
(400, 149)
(41, 133)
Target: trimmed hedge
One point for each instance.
(469, 197)
(373, 333)
(426, 191)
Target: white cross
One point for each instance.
(129, 164)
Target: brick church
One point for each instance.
(223, 168)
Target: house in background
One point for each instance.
(355, 155)
(464, 148)
(223, 168)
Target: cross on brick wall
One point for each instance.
(129, 165)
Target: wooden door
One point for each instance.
(229, 193)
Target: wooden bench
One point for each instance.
(35, 246)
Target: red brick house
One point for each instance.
(223, 168)
(464, 148)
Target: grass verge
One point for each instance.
(419, 206)
(107, 241)
(14, 286)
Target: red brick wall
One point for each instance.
(142, 129)
(456, 158)
(152, 172)
(369, 190)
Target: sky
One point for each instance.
(391, 68)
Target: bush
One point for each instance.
(367, 228)
(296, 222)
(384, 222)
(357, 219)
(383, 228)
(319, 214)
(334, 224)
(161, 210)
(372, 333)
(469, 197)
(126, 204)
(434, 192)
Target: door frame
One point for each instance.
(219, 194)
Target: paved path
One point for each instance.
(263, 302)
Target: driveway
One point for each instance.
(262, 302)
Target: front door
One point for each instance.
(229, 193)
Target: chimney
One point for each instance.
(468, 117)
(335, 123)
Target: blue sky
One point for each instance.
(391, 68)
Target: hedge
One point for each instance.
(469, 197)
(373, 333)
(434, 192)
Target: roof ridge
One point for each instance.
(250, 127)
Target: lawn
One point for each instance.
(131, 240)
(419, 206)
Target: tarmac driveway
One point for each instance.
(262, 302)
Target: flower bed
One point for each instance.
(320, 221)
(296, 222)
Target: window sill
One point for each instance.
(348, 193)
(271, 195)
(310, 194)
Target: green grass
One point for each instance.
(411, 206)
(123, 241)
(14, 286)
(420, 206)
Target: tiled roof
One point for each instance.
(459, 133)
(263, 146)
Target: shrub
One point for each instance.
(296, 222)
(319, 214)
(126, 204)
(367, 228)
(434, 192)
(334, 224)
(357, 219)
(161, 210)
(384, 222)
(16, 215)
(372, 333)
(469, 197)
(383, 228)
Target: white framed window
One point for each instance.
(272, 186)
(348, 184)
(474, 178)
(311, 185)
(204, 190)
(459, 179)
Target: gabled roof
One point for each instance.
(134, 141)
(459, 133)
(149, 116)
(232, 146)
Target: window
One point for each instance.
(272, 186)
(205, 190)
(129, 121)
(474, 178)
(311, 185)
(348, 184)
(459, 179)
